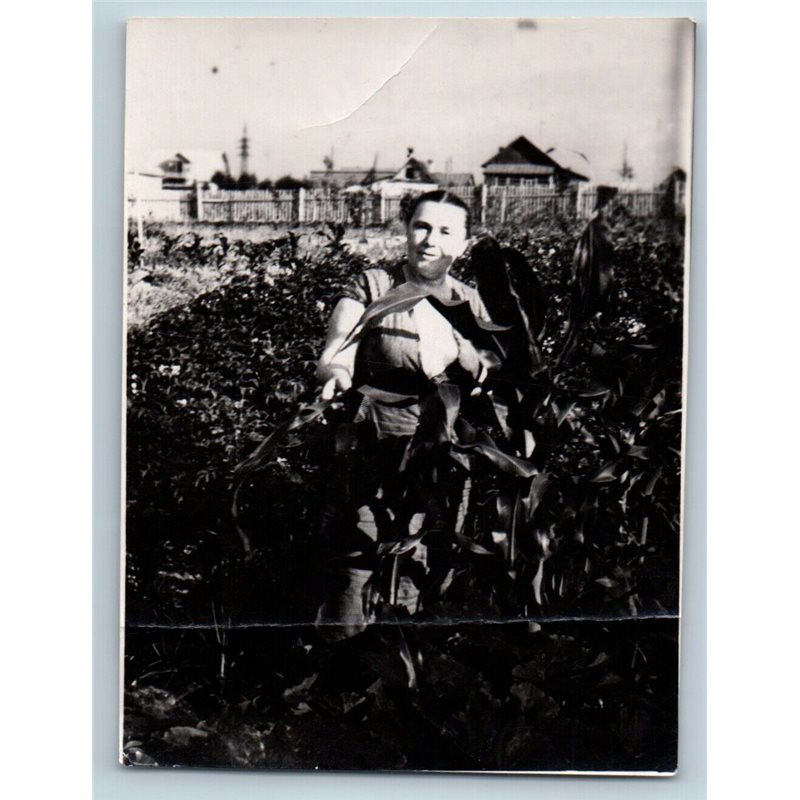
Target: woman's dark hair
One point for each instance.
(408, 208)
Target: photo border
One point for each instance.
(113, 780)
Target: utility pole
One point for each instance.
(626, 172)
(244, 151)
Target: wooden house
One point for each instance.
(413, 176)
(521, 163)
(183, 169)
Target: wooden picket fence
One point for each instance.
(510, 204)
(490, 205)
(246, 206)
(172, 206)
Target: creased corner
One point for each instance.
(373, 93)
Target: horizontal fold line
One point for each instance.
(409, 621)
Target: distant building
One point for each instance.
(147, 199)
(521, 163)
(675, 180)
(349, 176)
(413, 171)
(414, 175)
(181, 170)
(674, 189)
(446, 180)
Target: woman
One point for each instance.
(395, 365)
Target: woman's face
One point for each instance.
(437, 235)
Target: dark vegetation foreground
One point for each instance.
(570, 557)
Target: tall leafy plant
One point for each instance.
(543, 479)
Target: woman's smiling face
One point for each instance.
(437, 235)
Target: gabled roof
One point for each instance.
(422, 168)
(158, 157)
(521, 157)
(202, 164)
(521, 151)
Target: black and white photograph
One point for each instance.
(405, 378)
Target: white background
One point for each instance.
(753, 441)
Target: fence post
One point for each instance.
(199, 202)
(301, 204)
(484, 196)
(503, 205)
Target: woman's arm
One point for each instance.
(335, 369)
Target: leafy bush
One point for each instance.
(590, 531)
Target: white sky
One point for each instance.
(456, 89)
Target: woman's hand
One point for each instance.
(335, 378)
(476, 362)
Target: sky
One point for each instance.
(454, 90)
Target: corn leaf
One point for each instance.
(472, 546)
(450, 395)
(514, 298)
(538, 487)
(592, 274)
(401, 298)
(503, 461)
(528, 289)
(481, 333)
(606, 473)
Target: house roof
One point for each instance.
(351, 175)
(521, 151)
(202, 163)
(352, 171)
(422, 168)
(453, 178)
(158, 157)
(522, 157)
